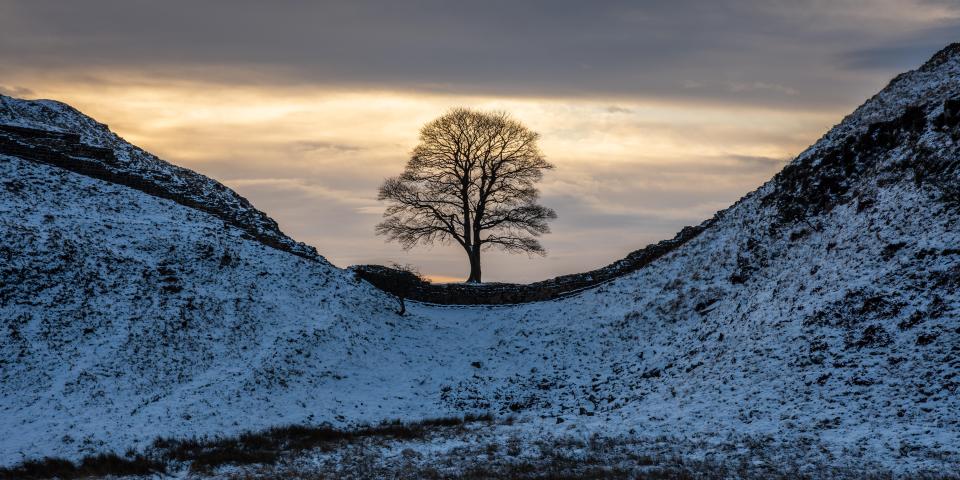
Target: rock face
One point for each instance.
(820, 313)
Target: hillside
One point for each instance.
(57, 134)
(819, 315)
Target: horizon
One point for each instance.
(648, 133)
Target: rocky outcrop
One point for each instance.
(816, 184)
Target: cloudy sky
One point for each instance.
(656, 114)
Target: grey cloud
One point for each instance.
(15, 91)
(753, 161)
(900, 53)
(761, 86)
(310, 146)
(884, 58)
(497, 47)
(618, 109)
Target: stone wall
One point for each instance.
(409, 286)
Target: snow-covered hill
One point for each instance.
(120, 160)
(821, 311)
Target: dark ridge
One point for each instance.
(66, 151)
(408, 286)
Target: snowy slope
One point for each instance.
(130, 160)
(822, 309)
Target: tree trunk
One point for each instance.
(474, 255)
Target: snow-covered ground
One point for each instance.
(128, 317)
(129, 159)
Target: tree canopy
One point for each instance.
(470, 180)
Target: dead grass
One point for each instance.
(91, 466)
(395, 450)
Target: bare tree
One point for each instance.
(470, 180)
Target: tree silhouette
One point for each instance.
(470, 180)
